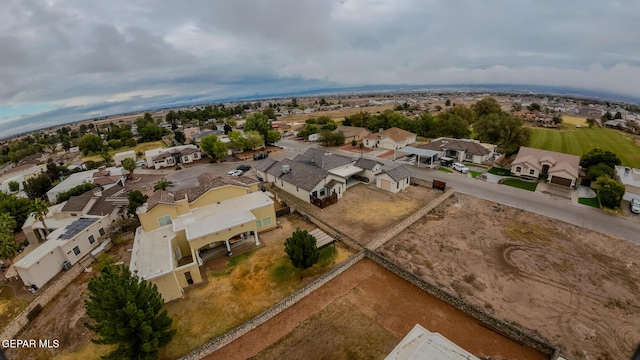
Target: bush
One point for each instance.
(354, 142)
(609, 191)
(78, 190)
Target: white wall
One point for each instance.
(42, 271)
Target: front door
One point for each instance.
(188, 277)
(545, 169)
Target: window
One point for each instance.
(531, 172)
(322, 192)
(76, 250)
(518, 169)
(185, 158)
(164, 220)
(266, 221)
(398, 185)
(258, 224)
(407, 181)
(196, 156)
(468, 157)
(101, 231)
(91, 240)
(297, 189)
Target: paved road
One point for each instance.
(561, 209)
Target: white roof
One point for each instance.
(151, 256)
(628, 178)
(38, 253)
(74, 180)
(345, 171)
(421, 344)
(217, 217)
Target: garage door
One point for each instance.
(385, 184)
(561, 181)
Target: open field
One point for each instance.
(142, 147)
(336, 115)
(364, 213)
(574, 120)
(579, 141)
(576, 287)
(362, 314)
(236, 290)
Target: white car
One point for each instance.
(635, 206)
(460, 167)
(235, 172)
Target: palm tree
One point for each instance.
(129, 165)
(40, 210)
(8, 247)
(162, 184)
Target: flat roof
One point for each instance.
(628, 178)
(417, 151)
(151, 256)
(217, 217)
(422, 344)
(38, 253)
(346, 171)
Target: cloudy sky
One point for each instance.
(65, 60)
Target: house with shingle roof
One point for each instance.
(165, 157)
(557, 168)
(394, 180)
(352, 132)
(461, 149)
(179, 227)
(392, 139)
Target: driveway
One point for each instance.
(188, 177)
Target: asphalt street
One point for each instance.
(561, 209)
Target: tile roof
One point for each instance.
(394, 133)
(160, 197)
(106, 180)
(563, 162)
(399, 173)
(319, 158)
(468, 146)
(367, 164)
(351, 131)
(105, 204)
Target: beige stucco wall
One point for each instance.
(191, 268)
(81, 240)
(149, 220)
(42, 271)
(218, 194)
(525, 170)
(168, 286)
(396, 186)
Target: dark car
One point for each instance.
(244, 167)
(260, 156)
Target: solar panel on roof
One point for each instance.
(77, 226)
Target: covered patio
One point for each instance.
(422, 155)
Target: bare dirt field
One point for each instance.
(575, 287)
(362, 314)
(364, 213)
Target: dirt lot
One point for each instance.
(362, 314)
(576, 287)
(364, 213)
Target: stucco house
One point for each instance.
(64, 247)
(630, 178)
(394, 180)
(557, 168)
(353, 132)
(166, 157)
(179, 228)
(317, 174)
(461, 149)
(21, 174)
(392, 139)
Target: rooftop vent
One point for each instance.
(285, 169)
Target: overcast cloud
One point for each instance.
(65, 60)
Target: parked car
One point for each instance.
(141, 163)
(244, 167)
(446, 161)
(235, 172)
(260, 156)
(635, 206)
(460, 167)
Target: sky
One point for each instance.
(67, 60)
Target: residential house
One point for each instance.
(179, 228)
(353, 132)
(104, 177)
(461, 149)
(111, 202)
(394, 180)
(392, 139)
(118, 157)
(64, 247)
(630, 178)
(167, 157)
(370, 168)
(557, 168)
(21, 174)
(190, 132)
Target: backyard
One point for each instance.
(235, 291)
(576, 287)
(578, 141)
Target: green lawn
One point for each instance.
(475, 174)
(499, 171)
(590, 201)
(444, 169)
(520, 184)
(579, 141)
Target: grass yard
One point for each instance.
(590, 201)
(520, 184)
(475, 174)
(499, 171)
(444, 169)
(574, 120)
(579, 141)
